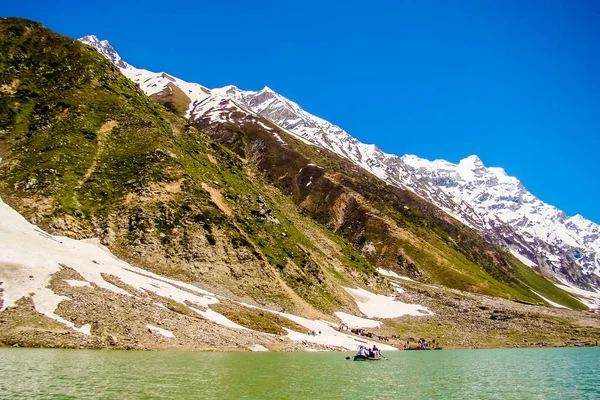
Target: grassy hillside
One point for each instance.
(87, 154)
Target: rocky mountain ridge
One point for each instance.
(486, 199)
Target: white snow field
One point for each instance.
(357, 322)
(380, 306)
(330, 336)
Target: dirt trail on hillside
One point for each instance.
(103, 132)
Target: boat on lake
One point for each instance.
(364, 354)
(363, 358)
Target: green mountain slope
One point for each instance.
(393, 228)
(85, 153)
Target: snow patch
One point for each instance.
(553, 304)
(219, 319)
(590, 299)
(160, 331)
(357, 322)
(331, 337)
(85, 329)
(397, 287)
(523, 259)
(29, 257)
(380, 306)
(279, 139)
(258, 348)
(393, 274)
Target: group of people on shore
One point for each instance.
(362, 332)
(422, 344)
(371, 335)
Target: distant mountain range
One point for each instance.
(486, 199)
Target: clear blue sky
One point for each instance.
(515, 82)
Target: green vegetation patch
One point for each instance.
(255, 319)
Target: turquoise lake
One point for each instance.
(568, 373)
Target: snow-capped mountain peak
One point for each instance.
(104, 48)
(487, 199)
(202, 103)
(469, 167)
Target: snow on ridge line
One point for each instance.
(575, 232)
(30, 257)
(322, 133)
(572, 232)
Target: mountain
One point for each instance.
(214, 249)
(230, 104)
(125, 224)
(487, 199)
(86, 154)
(104, 48)
(543, 236)
(189, 100)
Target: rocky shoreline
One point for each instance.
(461, 321)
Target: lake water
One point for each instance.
(571, 373)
